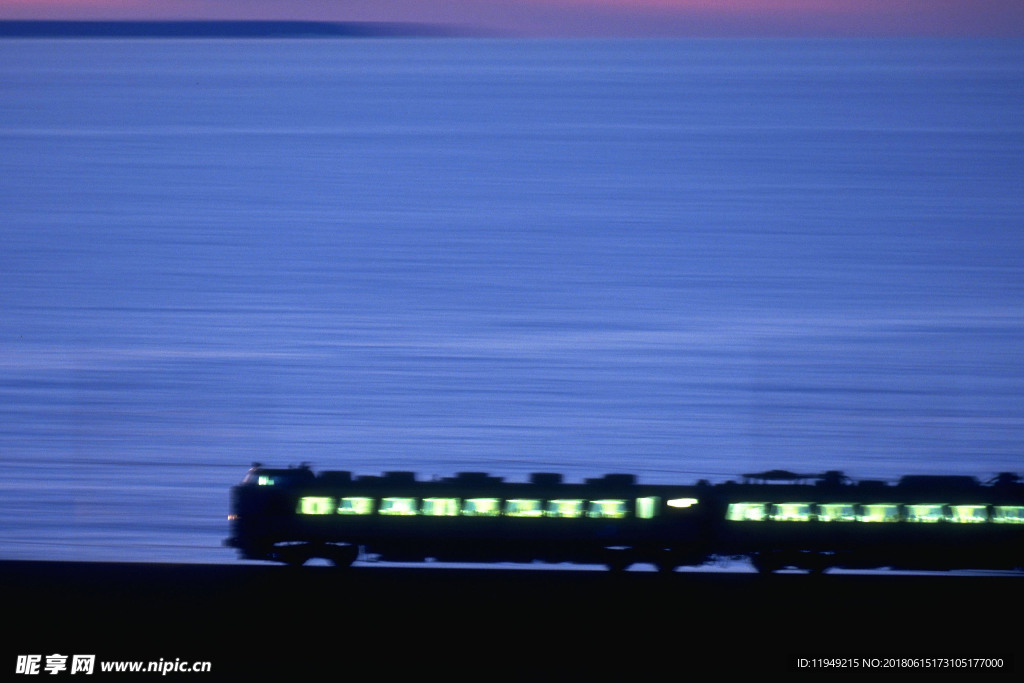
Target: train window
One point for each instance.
(265, 480)
(745, 512)
(441, 507)
(791, 512)
(564, 508)
(315, 505)
(354, 505)
(967, 514)
(681, 502)
(880, 512)
(923, 513)
(520, 507)
(607, 509)
(480, 507)
(836, 512)
(397, 506)
(647, 508)
(1008, 514)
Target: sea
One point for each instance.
(682, 259)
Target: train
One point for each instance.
(775, 520)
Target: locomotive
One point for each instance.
(775, 519)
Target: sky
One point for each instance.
(825, 18)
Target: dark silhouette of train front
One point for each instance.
(776, 519)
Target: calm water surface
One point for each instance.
(679, 259)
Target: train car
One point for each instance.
(922, 522)
(293, 515)
(776, 520)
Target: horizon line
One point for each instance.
(315, 28)
(219, 28)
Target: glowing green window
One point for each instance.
(1008, 514)
(265, 480)
(607, 509)
(746, 512)
(481, 507)
(397, 506)
(967, 514)
(522, 507)
(880, 512)
(791, 512)
(564, 508)
(441, 507)
(315, 505)
(647, 508)
(927, 513)
(836, 512)
(353, 505)
(681, 502)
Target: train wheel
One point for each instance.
(665, 562)
(344, 555)
(765, 563)
(293, 556)
(618, 560)
(819, 565)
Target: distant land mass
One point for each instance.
(217, 29)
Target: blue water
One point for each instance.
(681, 259)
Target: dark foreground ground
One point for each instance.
(270, 622)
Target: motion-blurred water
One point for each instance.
(679, 259)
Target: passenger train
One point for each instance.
(775, 519)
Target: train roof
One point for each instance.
(769, 480)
